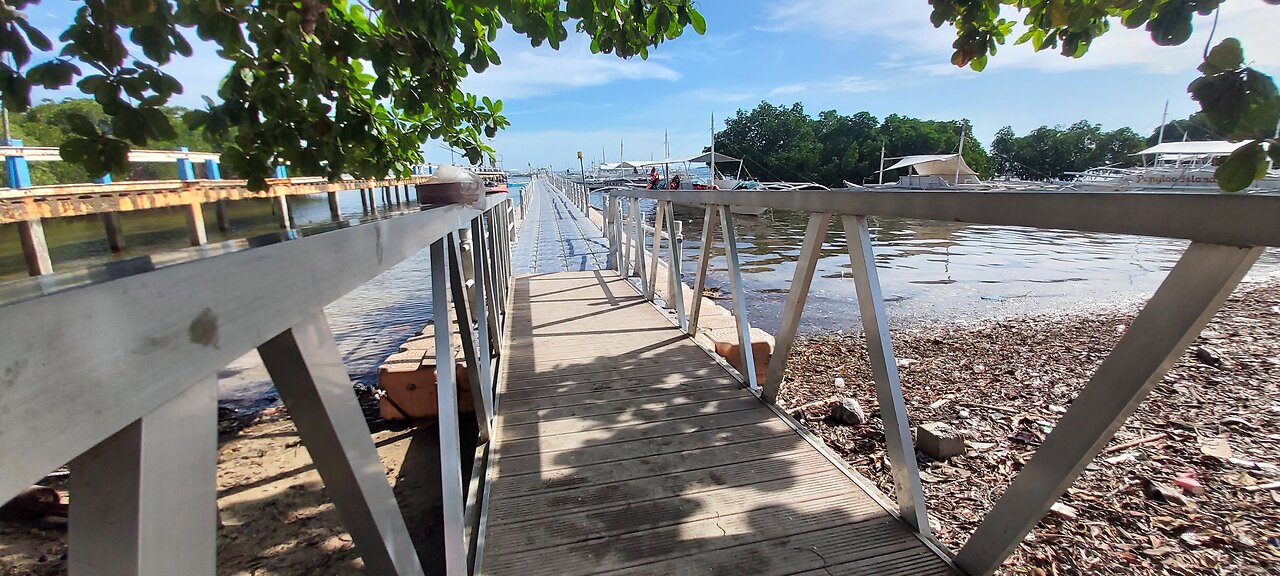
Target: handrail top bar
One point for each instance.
(52, 154)
(17, 291)
(115, 350)
(1232, 219)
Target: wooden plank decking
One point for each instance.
(621, 446)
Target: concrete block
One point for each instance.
(939, 440)
(415, 392)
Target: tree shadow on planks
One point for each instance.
(634, 450)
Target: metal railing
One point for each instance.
(119, 378)
(1227, 234)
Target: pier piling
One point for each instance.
(115, 230)
(195, 225)
(282, 211)
(35, 248)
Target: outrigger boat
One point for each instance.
(1171, 167)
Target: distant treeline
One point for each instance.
(786, 143)
(48, 124)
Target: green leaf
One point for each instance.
(1227, 55)
(1242, 167)
(697, 21)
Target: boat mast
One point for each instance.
(882, 163)
(1163, 118)
(960, 154)
(712, 163)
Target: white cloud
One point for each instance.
(526, 72)
(844, 84)
(920, 48)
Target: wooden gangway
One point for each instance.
(621, 445)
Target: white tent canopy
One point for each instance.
(1211, 147)
(702, 158)
(935, 164)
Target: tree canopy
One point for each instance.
(327, 86)
(1237, 101)
(786, 143)
(1056, 152)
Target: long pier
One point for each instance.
(29, 206)
(609, 440)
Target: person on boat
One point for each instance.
(675, 183)
(653, 179)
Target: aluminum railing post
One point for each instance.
(624, 260)
(650, 287)
(797, 294)
(893, 408)
(1190, 295)
(129, 486)
(739, 297)
(453, 495)
(677, 267)
(638, 224)
(462, 310)
(306, 366)
(483, 317)
(700, 275)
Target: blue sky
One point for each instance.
(850, 55)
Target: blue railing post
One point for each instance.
(185, 170)
(19, 174)
(212, 171)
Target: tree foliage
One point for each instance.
(1056, 152)
(327, 86)
(786, 143)
(1194, 128)
(1237, 101)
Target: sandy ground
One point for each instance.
(274, 515)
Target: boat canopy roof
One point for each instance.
(931, 164)
(702, 158)
(705, 158)
(1194, 148)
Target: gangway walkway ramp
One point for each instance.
(621, 446)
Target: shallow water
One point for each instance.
(939, 271)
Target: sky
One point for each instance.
(883, 57)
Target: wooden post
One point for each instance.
(195, 225)
(115, 230)
(35, 249)
(364, 201)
